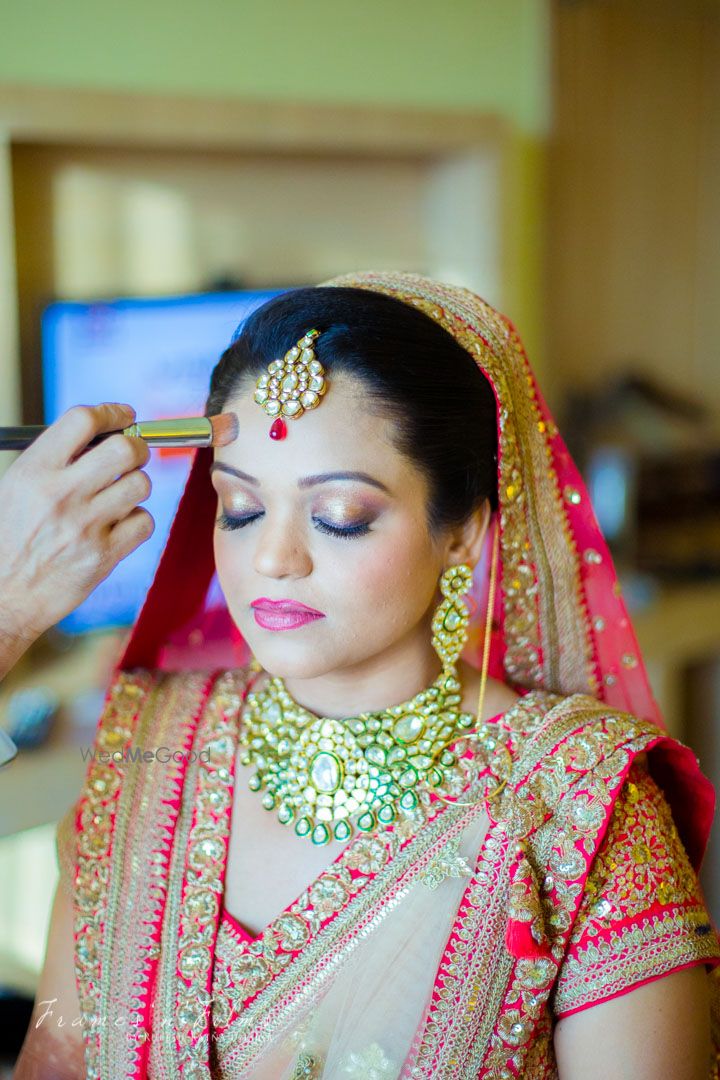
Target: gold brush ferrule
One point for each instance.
(191, 431)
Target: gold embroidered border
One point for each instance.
(66, 850)
(486, 1027)
(293, 990)
(570, 843)
(473, 973)
(98, 804)
(200, 855)
(144, 828)
(540, 562)
(619, 961)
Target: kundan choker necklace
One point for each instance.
(319, 773)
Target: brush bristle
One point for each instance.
(224, 428)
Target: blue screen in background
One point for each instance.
(155, 355)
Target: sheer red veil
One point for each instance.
(560, 622)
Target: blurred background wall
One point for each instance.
(489, 59)
(561, 158)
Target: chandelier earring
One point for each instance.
(451, 618)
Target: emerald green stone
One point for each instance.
(366, 821)
(303, 826)
(321, 834)
(342, 831)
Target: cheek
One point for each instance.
(229, 567)
(396, 578)
(390, 580)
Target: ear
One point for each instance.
(466, 541)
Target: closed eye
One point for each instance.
(232, 522)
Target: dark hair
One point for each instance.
(414, 371)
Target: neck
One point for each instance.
(395, 676)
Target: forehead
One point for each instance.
(344, 432)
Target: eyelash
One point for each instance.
(225, 521)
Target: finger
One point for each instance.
(117, 500)
(130, 533)
(105, 463)
(64, 439)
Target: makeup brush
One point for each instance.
(189, 431)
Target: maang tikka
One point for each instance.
(292, 385)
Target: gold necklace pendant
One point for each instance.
(320, 773)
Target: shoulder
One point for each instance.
(581, 714)
(144, 699)
(642, 912)
(643, 837)
(586, 730)
(570, 757)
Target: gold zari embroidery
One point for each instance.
(641, 914)
(489, 1016)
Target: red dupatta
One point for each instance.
(560, 622)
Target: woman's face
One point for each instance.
(333, 517)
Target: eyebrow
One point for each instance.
(305, 481)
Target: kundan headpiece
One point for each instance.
(292, 385)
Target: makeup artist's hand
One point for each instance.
(66, 519)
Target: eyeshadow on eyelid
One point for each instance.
(240, 505)
(344, 508)
(341, 511)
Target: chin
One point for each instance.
(286, 658)
(284, 667)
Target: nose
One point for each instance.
(281, 551)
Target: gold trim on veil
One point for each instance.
(552, 625)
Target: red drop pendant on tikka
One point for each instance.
(278, 430)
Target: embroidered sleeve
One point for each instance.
(642, 914)
(65, 838)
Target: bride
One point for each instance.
(425, 820)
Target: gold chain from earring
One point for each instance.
(489, 746)
(488, 622)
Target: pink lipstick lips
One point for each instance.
(282, 614)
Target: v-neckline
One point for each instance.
(237, 929)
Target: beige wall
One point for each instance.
(476, 55)
(480, 57)
(634, 209)
(101, 221)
